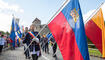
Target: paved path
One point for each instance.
(13, 54)
(18, 55)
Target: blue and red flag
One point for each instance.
(12, 33)
(68, 30)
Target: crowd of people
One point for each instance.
(34, 44)
(2, 42)
(6, 42)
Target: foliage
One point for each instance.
(7, 33)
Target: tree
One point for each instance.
(7, 33)
(2, 32)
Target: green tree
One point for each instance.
(7, 33)
(2, 32)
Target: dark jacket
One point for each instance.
(28, 39)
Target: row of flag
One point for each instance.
(95, 30)
(70, 33)
(15, 34)
(68, 30)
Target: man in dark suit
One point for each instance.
(34, 47)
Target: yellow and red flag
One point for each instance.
(95, 31)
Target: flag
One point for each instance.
(68, 30)
(95, 30)
(32, 34)
(49, 35)
(22, 29)
(12, 33)
(18, 32)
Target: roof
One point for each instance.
(36, 19)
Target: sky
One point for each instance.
(28, 10)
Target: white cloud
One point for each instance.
(5, 22)
(21, 10)
(87, 15)
(10, 7)
(6, 11)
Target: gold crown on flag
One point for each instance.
(74, 14)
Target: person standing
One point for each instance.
(54, 46)
(27, 55)
(46, 45)
(2, 41)
(42, 43)
(34, 47)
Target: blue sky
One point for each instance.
(28, 10)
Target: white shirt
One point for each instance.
(35, 52)
(2, 41)
(36, 39)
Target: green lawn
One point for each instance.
(95, 53)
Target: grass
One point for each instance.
(95, 53)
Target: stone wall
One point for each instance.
(39, 26)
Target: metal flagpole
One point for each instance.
(64, 4)
(58, 13)
(89, 17)
(93, 13)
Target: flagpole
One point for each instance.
(13, 16)
(89, 17)
(60, 9)
(93, 13)
(64, 4)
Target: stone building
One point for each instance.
(39, 26)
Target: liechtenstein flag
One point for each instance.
(68, 30)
